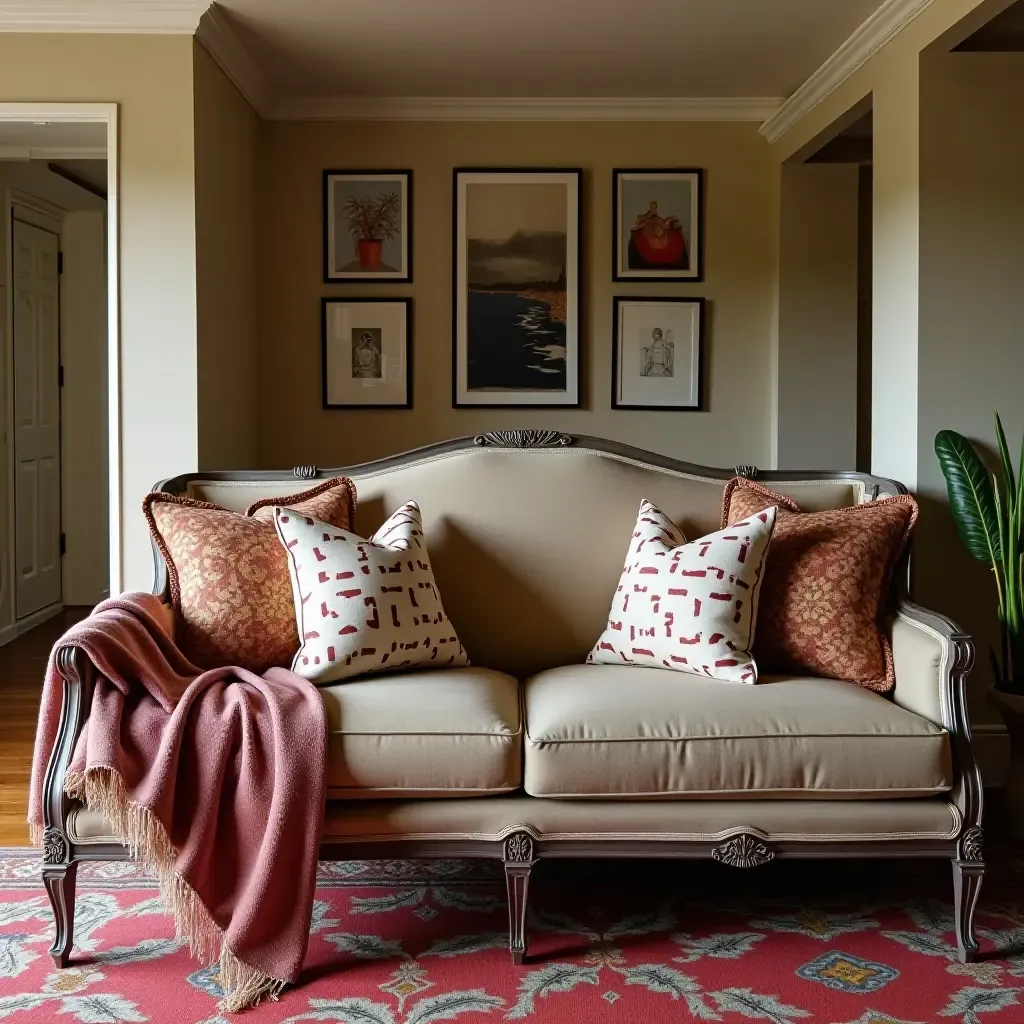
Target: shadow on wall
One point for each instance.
(961, 586)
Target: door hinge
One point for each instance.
(60, 376)
(60, 262)
(63, 543)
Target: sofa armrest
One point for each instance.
(76, 672)
(932, 657)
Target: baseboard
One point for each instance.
(992, 749)
(13, 631)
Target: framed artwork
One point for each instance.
(367, 226)
(367, 358)
(516, 273)
(657, 353)
(657, 225)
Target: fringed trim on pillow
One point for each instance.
(103, 790)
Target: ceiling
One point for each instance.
(92, 173)
(1004, 33)
(540, 48)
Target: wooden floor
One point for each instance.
(22, 666)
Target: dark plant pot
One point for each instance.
(369, 251)
(1012, 708)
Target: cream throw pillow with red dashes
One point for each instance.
(690, 607)
(365, 606)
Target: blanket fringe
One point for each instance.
(102, 790)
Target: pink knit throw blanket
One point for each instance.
(213, 779)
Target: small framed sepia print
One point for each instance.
(657, 223)
(367, 226)
(367, 358)
(657, 353)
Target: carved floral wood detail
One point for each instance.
(523, 439)
(55, 847)
(519, 847)
(743, 851)
(972, 844)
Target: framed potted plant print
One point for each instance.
(516, 280)
(657, 224)
(367, 226)
(367, 360)
(657, 353)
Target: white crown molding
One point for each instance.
(458, 108)
(222, 43)
(164, 17)
(891, 18)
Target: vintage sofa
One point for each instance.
(533, 755)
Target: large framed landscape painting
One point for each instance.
(367, 226)
(657, 225)
(516, 281)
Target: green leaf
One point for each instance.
(101, 1008)
(449, 1005)
(1004, 457)
(725, 946)
(22, 1001)
(462, 900)
(386, 904)
(969, 1002)
(15, 957)
(367, 947)
(353, 1010)
(147, 949)
(971, 499)
(546, 981)
(462, 944)
(751, 1004)
(29, 910)
(925, 943)
(668, 981)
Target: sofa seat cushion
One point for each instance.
(607, 731)
(446, 732)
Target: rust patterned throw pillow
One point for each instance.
(228, 574)
(826, 583)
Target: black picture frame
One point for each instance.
(575, 377)
(697, 242)
(369, 279)
(701, 305)
(325, 303)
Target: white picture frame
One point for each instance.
(516, 283)
(367, 355)
(657, 353)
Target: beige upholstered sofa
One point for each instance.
(529, 754)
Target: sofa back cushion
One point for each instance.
(527, 545)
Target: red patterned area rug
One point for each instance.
(417, 942)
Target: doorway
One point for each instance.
(35, 303)
(59, 451)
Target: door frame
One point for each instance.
(37, 213)
(103, 113)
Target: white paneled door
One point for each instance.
(36, 418)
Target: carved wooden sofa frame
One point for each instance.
(521, 849)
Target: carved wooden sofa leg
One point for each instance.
(517, 854)
(59, 877)
(968, 870)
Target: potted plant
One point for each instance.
(989, 514)
(372, 222)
